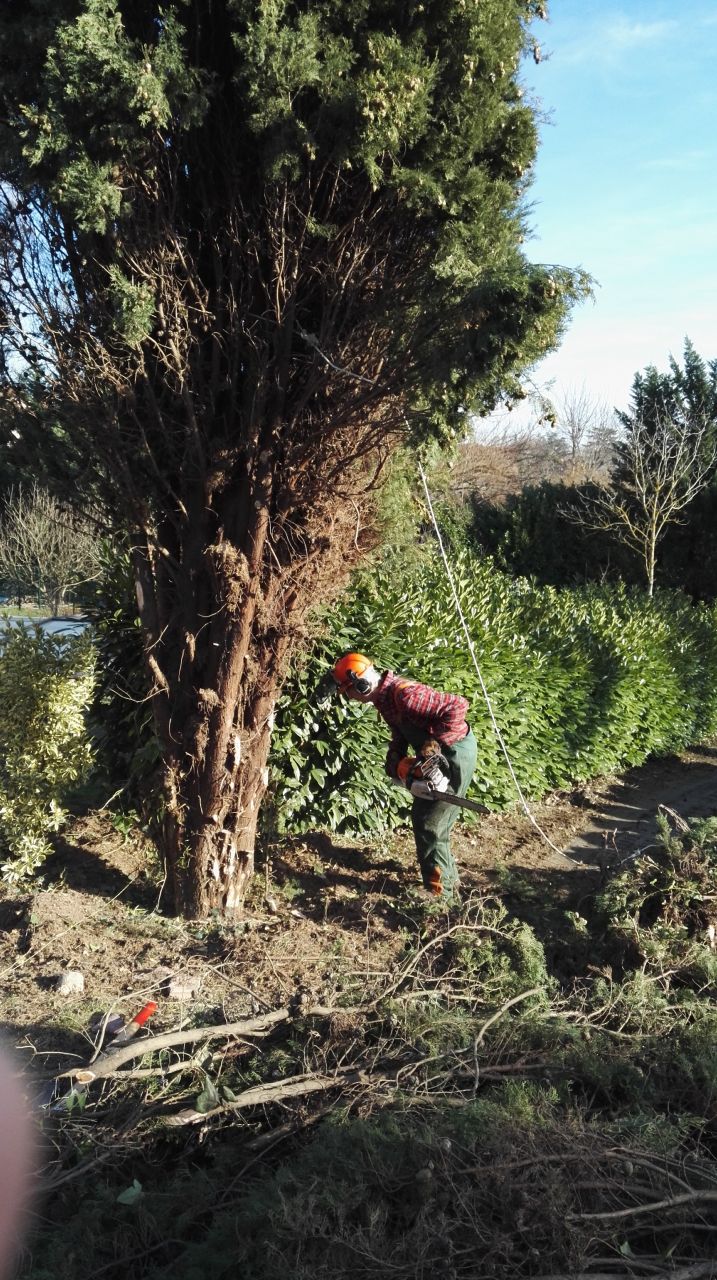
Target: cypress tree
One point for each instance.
(246, 247)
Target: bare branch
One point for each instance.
(665, 465)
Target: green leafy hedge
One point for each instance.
(45, 686)
(583, 682)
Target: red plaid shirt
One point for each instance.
(436, 715)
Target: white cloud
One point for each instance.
(680, 162)
(604, 349)
(607, 42)
(622, 34)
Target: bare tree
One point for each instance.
(44, 548)
(664, 465)
(589, 428)
(504, 459)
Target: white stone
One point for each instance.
(183, 988)
(71, 983)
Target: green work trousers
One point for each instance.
(432, 821)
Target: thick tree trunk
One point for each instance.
(221, 859)
(216, 668)
(209, 847)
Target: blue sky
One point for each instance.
(626, 182)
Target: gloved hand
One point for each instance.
(432, 765)
(424, 790)
(432, 771)
(427, 776)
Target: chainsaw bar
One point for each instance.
(450, 797)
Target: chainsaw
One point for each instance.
(426, 780)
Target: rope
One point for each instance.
(313, 342)
(486, 695)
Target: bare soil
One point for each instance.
(327, 914)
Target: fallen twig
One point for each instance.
(274, 1091)
(138, 1048)
(534, 991)
(687, 1198)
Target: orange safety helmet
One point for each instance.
(350, 673)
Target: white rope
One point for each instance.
(312, 341)
(486, 695)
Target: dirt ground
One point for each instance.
(327, 914)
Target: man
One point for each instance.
(433, 724)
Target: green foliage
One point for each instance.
(534, 534)
(487, 1189)
(537, 533)
(687, 394)
(126, 747)
(134, 308)
(45, 686)
(420, 105)
(103, 94)
(662, 908)
(689, 552)
(582, 681)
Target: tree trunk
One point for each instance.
(216, 665)
(651, 562)
(209, 847)
(210, 823)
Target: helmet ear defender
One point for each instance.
(359, 683)
(353, 672)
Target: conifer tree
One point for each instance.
(669, 450)
(246, 247)
(686, 395)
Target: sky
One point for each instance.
(625, 183)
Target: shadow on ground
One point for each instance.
(71, 866)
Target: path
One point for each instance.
(596, 826)
(627, 806)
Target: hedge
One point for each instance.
(45, 686)
(583, 681)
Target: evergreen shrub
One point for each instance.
(45, 686)
(583, 681)
(660, 911)
(540, 533)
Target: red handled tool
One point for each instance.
(85, 1076)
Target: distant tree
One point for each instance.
(688, 554)
(590, 429)
(536, 533)
(502, 460)
(239, 243)
(685, 395)
(45, 548)
(665, 462)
